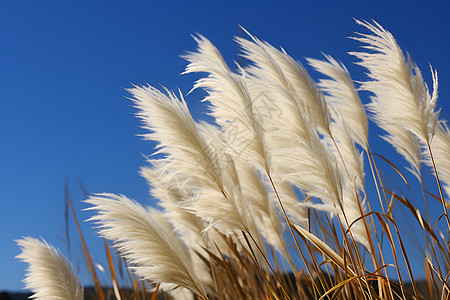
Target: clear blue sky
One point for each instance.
(64, 66)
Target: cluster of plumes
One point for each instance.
(276, 135)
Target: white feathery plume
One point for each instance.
(171, 191)
(350, 161)
(174, 192)
(227, 162)
(231, 104)
(159, 218)
(301, 159)
(440, 147)
(296, 152)
(406, 144)
(268, 109)
(352, 212)
(273, 65)
(262, 208)
(402, 97)
(173, 127)
(154, 254)
(265, 105)
(49, 274)
(199, 267)
(343, 97)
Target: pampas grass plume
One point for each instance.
(50, 275)
(393, 77)
(154, 254)
(343, 97)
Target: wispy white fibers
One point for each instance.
(296, 153)
(159, 217)
(343, 97)
(440, 146)
(241, 115)
(172, 190)
(268, 108)
(352, 212)
(228, 164)
(231, 104)
(300, 158)
(262, 208)
(49, 274)
(175, 192)
(172, 126)
(154, 254)
(349, 160)
(401, 96)
(351, 163)
(273, 65)
(406, 144)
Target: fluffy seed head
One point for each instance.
(189, 153)
(50, 275)
(402, 97)
(342, 97)
(277, 67)
(154, 254)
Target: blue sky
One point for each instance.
(64, 68)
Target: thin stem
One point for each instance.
(268, 264)
(369, 157)
(374, 167)
(290, 228)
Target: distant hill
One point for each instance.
(89, 294)
(14, 296)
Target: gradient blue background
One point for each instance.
(64, 67)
